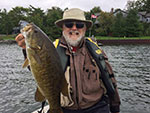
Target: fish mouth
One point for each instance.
(26, 28)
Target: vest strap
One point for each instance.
(97, 55)
(56, 43)
(63, 57)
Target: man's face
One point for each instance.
(73, 32)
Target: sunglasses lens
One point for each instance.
(79, 25)
(69, 24)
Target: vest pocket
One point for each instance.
(90, 79)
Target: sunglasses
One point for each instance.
(79, 25)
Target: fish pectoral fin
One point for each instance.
(26, 63)
(38, 96)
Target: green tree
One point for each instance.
(51, 16)
(88, 17)
(36, 15)
(17, 14)
(94, 11)
(146, 30)
(5, 23)
(131, 5)
(146, 6)
(118, 27)
(133, 25)
(140, 5)
(105, 24)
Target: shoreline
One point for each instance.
(8, 42)
(124, 41)
(101, 42)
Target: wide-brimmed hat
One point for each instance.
(74, 14)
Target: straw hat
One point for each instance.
(74, 14)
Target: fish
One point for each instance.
(45, 65)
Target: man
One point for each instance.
(88, 93)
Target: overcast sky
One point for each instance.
(85, 5)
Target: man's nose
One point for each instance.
(74, 27)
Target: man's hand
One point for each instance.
(21, 41)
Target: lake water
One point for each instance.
(131, 64)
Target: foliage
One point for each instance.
(146, 6)
(36, 15)
(10, 19)
(146, 30)
(95, 10)
(45, 20)
(133, 25)
(50, 28)
(17, 14)
(105, 24)
(118, 27)
(140, 5)
(5, 23)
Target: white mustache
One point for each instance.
(74, 32)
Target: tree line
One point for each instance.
(106, 23)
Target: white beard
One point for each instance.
(72, 42)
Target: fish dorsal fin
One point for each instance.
(38, 96)
(26, 63)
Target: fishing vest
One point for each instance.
(97, 55)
